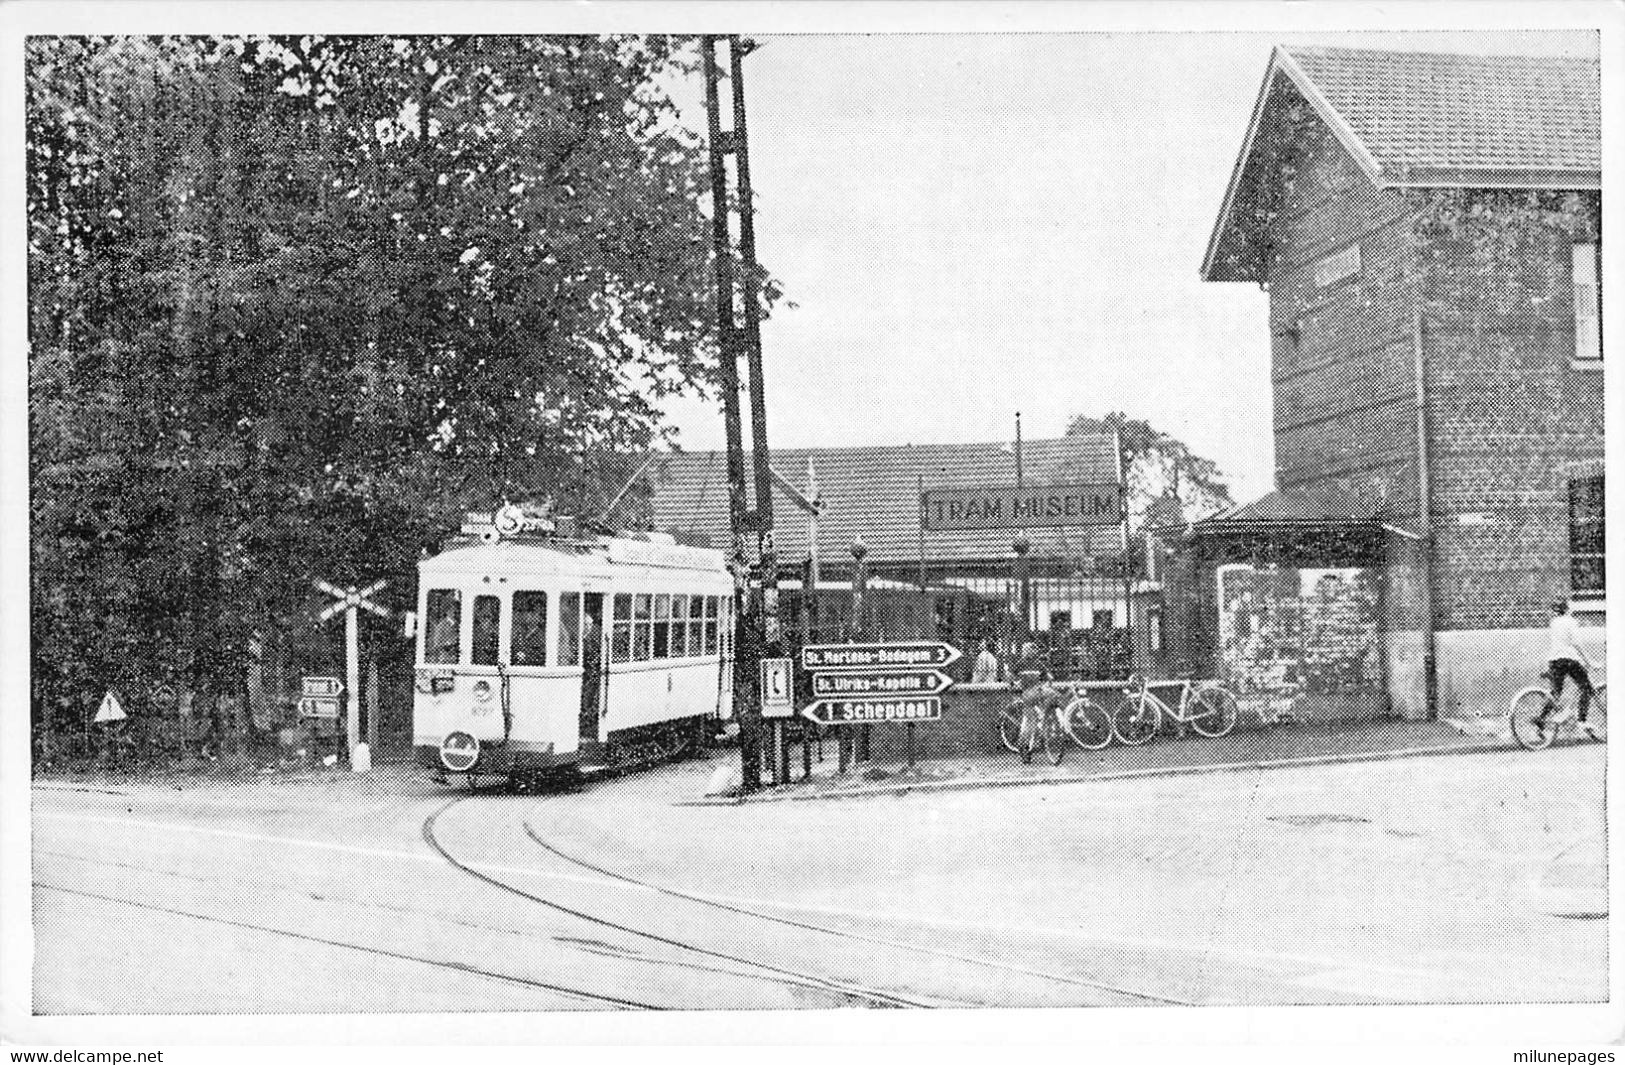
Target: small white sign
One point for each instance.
(110, 710)
(320, 687)
(778, 699)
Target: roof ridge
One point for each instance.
(1333, 49)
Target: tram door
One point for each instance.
(592, 665)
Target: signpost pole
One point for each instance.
(860, 621)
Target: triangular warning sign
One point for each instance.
(110, 710)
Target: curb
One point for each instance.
(1121, 774)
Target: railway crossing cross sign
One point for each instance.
(351, 599)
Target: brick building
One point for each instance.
(1427, 228)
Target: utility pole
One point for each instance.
(757, 618)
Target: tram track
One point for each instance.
(579, 994)
(1137, 995)
(846, 993)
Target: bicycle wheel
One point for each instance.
(1527, 706)
(1010, 730)
(1089, 726)
(1216, 712)
(1598, 715)
(1054, 736)
(1137, 720)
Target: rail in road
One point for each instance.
(577, 993)
(845, 993)
(1133, 994)
(773, 929)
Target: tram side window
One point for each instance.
(570, 629)
(696, 625)
(642, 626)
(662, 628)
(620, 647)
(710, 624)
(444, 624)
(487, 630)
(528, 641)
(679, 626)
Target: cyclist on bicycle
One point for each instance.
(1037, 693)
(1567, 660)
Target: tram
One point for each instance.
(540, 650)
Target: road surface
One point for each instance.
(1468, 879)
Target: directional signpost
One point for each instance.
(869, 711)
(318, 697)
(913, 682)
(866, 683)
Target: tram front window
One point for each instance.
(445, 617)
(529, 637)
(487, 629)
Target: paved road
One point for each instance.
(1475, 878)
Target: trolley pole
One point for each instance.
(747, 648)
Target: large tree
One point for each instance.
(297, 302)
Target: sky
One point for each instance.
(969, 226)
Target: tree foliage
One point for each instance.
(1158, 466)
(295, 303)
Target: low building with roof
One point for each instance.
(1083, 589)
(1427, 227)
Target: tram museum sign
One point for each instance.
(1035, 507)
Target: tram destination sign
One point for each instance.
(903, 682)
(869, 711)
(1031, 507)
(876, 657)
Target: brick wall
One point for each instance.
(1508, 413)
(1342, 357)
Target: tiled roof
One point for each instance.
(1426, 117)
(1323, 505)
(873, 493)
(1416, 120)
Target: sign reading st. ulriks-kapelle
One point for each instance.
(1032, 507)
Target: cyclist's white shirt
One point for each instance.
(1565, 634)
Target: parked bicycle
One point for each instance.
(1536, 718)
(1082, 721)
(1203, 705)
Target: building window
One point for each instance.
(1330, 269)
(1587, 304)
(1586, 537)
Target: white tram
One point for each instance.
(538, 651)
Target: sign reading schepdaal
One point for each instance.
(1033, 507)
